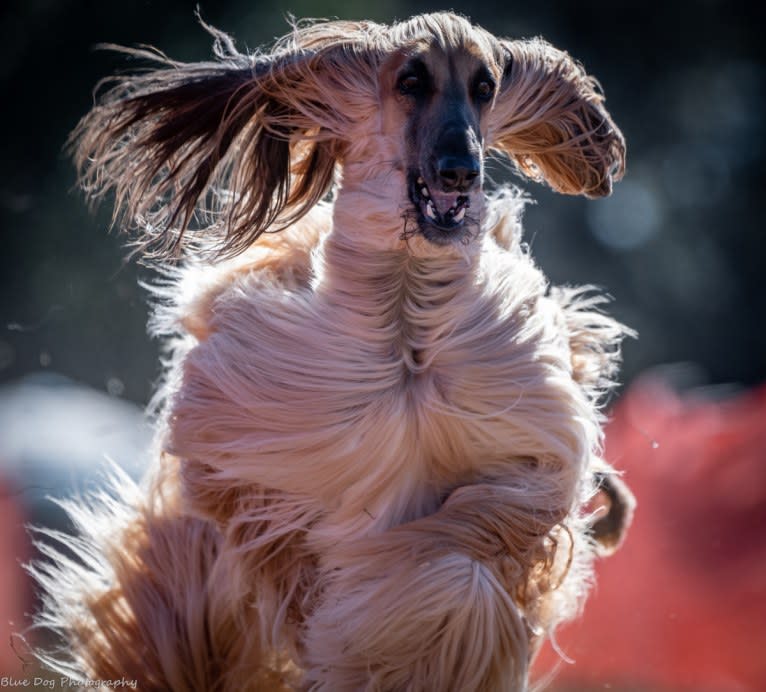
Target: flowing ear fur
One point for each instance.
(549, 117)
(228, 148)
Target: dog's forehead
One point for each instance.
(450, 44)
(459, 61)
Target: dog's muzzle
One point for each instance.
(442, 207)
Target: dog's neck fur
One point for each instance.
(393, 296)
(385, 280)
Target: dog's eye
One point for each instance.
(410, 84)
(484, 90)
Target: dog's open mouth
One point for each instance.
(441, 215)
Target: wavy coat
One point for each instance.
(376, 447)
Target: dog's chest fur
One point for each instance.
(391, 379)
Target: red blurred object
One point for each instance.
(682, 605)
(14, 585)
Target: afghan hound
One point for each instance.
(378, 448)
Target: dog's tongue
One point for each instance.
(443, 201)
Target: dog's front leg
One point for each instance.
(408, 608)
(265, 568)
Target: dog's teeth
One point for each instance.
(430, 212)
(459, 216)
(424, 192)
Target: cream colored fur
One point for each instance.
(373, 462)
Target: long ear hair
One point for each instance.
(228, 148)
(549, 117)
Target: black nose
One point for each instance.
(458, 172)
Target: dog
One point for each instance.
(378, 450)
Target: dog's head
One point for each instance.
(456, 93)
(437, 88)
(249, 143)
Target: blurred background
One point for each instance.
(679, 246)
